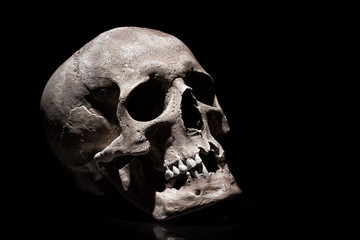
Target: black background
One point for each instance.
(255, 58)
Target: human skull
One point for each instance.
(134, 110)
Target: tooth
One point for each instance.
(190, 163)
(198, 159)
(175, 170)
(188, 175)
(196, 174)
(182, 166)
(204, 170)
(168, 174)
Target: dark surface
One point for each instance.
(86, 217)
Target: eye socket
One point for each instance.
(146, 101)
(203, 87)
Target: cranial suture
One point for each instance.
(133, 110)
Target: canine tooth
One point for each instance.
(175, 170)
(190, 163)
(182, 166)
(198, 159)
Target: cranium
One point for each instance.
(133, 110)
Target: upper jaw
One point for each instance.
(184, 170)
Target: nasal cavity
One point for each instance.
(190, 112)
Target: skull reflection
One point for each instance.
(133, 110)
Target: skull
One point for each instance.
(134, 111)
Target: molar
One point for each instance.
(190, 163)
(198, 159)
(204, 169)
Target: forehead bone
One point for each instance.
(134, 50)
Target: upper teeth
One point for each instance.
(168, 173)
(198, 159)
(181, 168)
(190, 163)
(175, 170)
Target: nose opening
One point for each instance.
(191, 114)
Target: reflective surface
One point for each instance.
(84, 217)
(233, 219)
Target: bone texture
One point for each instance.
(135, 112)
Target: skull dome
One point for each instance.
(134, 111)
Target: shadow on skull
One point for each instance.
(133, 115)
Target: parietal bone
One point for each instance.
(134, 111)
